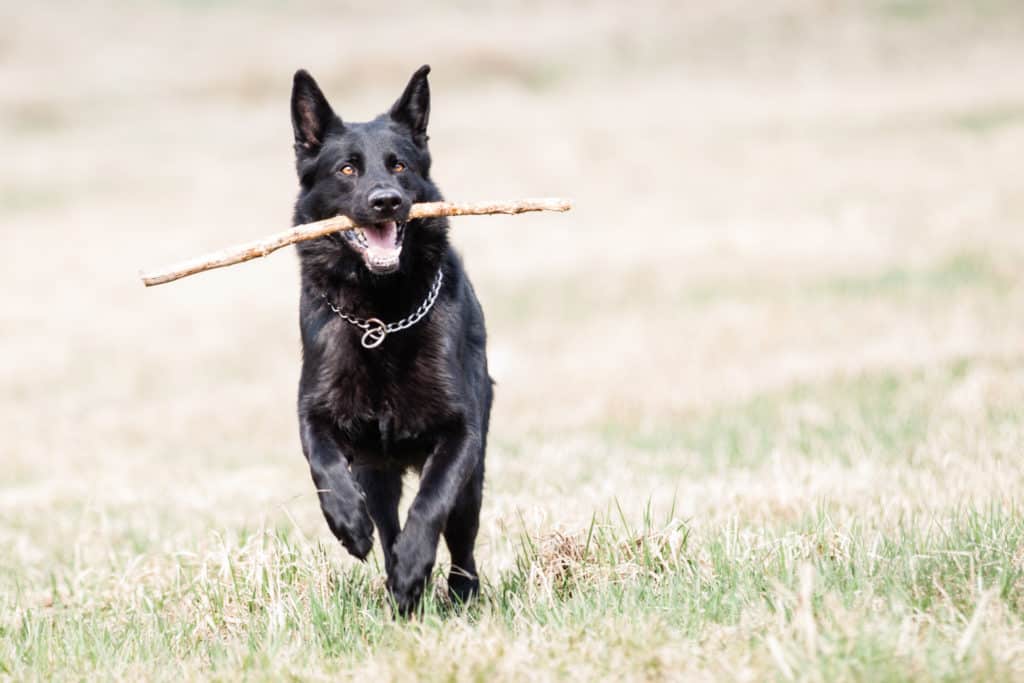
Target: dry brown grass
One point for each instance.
(790, 291)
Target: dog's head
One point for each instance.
(372, 172)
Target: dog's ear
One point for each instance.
(413, 108)
(311, 114)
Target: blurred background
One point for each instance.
(797, 223)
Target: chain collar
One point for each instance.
(375, 329)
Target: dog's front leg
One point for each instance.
(342, 502)
(444, 474)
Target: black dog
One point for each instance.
(394, 368)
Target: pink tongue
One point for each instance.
(381, 236)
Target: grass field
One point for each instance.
(760, 403)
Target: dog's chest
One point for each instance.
(388, 439)
(399, 430)
(389, 407)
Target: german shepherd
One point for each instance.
(394, 364)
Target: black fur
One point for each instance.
(422, 399)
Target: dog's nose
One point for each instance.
(385, 202)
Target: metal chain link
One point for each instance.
(375, 329)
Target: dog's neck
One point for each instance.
(354, 289)
(380, 295)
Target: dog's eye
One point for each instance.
(347, 169)
(398, 167)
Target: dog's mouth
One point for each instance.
(380, 245)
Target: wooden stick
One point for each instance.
(258, 248)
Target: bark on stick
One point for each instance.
(261, 247)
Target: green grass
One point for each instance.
(882, 415)
(862, 592)
(574, 300)
(833, 597)
(19, 200)
(908, 10)
(960, 270)
(911, 11)
(990, 119)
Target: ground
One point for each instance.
(760, 402)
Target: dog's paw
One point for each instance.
(462, 587)
(413, 560)
(351, 524)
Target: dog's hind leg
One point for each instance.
(383, 489)
(460, 536)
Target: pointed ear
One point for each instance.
(413, 108)
(311, 114)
